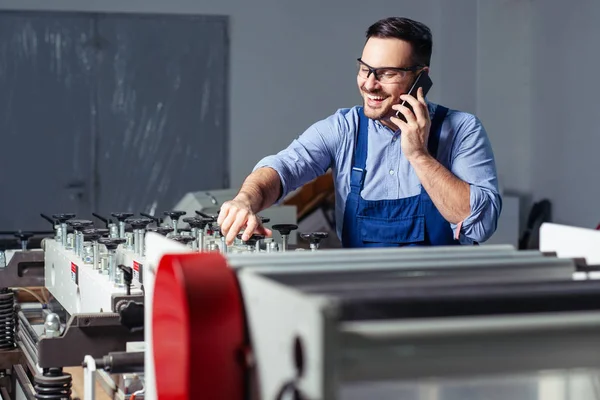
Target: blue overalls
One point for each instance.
(411, 221)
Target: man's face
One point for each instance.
(381, 94)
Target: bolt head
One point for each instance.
(52, 322)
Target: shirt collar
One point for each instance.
(431, 106)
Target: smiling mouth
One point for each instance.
(376, 98)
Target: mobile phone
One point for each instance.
(423, 80)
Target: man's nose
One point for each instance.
(371, 83)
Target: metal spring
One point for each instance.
(8, 318)
(53, 385)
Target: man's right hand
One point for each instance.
(236, 215)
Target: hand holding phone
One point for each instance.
(424, 81)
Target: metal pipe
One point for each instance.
(122, 362)
(24, 323)
(63, 234)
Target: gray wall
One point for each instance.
(293, 62)
(566, 159)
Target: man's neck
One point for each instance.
(385, 121)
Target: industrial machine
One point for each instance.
(92, 304)
(161, 308)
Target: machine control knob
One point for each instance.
(314, 238)
(195, 222)
(252, 239)
(212, 218)
(23, 238)
(139, 223)
(121, 216)
(183, 239)
(111, 243)
(78, 224)
(175, 215)
(285, 229)
(264, 220)
(90, 236)
(96, 231)
(131, 315)
(62, 218)
(161, 230)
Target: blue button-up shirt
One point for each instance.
(464, 149)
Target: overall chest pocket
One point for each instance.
(393, 222)
(392, 231)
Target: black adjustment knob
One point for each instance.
(264, 220)
(90, 236)
(314, 237)
(111, 243)
(96, 231)
(285, 229)
(161, 230)
(193, 222)
(197, 222)
(175, 215)
(183, 239)
(211, 218)
(62, 218)
(78, 224)
(131, 315)
(121, 216)
(139, 223)
(23, 238)
(252, 239)
(127, 277)
(23, 235)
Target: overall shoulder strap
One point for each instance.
(436, 128)
(359, 158)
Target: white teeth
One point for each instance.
(375, 97)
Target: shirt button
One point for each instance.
(394, 138)
(391, 172)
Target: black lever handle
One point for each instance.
(49, 219)
(101, 218)
(158, 220)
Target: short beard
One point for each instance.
(374, 114)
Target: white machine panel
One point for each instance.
(74, 284)
(571, 241)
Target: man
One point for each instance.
(428, 180)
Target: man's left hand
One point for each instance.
(415, 131)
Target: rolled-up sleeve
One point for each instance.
(307, 157)
(473, 162)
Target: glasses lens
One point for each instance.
(363, 71)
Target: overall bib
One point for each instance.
(411, 221)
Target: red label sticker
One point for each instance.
(75, 273)
(136, 271)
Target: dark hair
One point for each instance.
(416, 33)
